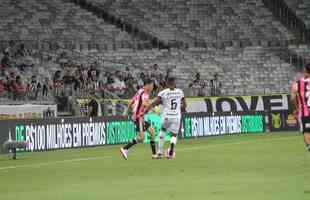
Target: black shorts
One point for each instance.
(305, 121)
(141, 125)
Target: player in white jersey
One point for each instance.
(173, 104)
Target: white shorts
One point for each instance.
(171, 124)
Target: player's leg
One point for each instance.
(305, 128)
(173, 142)
(147, 126)
(307, 140)
(174, 129)
(136, 140)
(161, 143)
(161, 137)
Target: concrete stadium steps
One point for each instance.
(301, 50)
(301, 8)
(56, 20)
(202, 20)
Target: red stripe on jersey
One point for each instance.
(303, 90)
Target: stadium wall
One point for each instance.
(66, 133)
(112, 107)
(260, 114)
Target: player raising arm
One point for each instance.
(137, 105)
(173, 103)
(300, 97)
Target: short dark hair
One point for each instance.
(307, 67)
(170, 80)
(147, 81)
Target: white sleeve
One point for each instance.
(161, 94)
(182, 94)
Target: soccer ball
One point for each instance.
(167, 153)
(156, 110)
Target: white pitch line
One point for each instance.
(235, 143)
(104, 157)
(55, 162)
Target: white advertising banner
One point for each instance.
(27, 111)
(239, 103)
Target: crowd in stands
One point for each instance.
(71, 79)
(201, 87)
(12, 85)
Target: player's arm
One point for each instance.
(130, 103)
(294, 97)
(129, 106)
(156, 102)
(146, 103)
(183, 104)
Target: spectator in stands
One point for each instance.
(22, 58)
(7, 85)
(141, 80)
(131, 87)
(93, 73)
(68, 77)
(76, 78)
(154, 71)
(47, 86)
(2, 88)
(83, 79)
(9, 51)
(2, 70)
(18, 89)
(127, 74)
(11, 78)
(57, 83)
(119, 85)
(22, 51)
(198, 86)
(93, 82)
(5, 61)
(33, 88)
(215, 86)
(109, 82)
(93, 107)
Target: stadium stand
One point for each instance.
(58, 21)
(64, 49)
(287, 12)
(301, 8)
(201, 23)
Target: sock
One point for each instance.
(130, 144)
(161, 142)
(14, 153)
(308, 147)
(152, 143)
(173, 142)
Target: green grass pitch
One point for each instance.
(239, 167)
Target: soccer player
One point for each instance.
(137, 104)
(173, 103)
(300, 97)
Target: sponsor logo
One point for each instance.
(307, 125)
(276, 120)
(198, 126)
(291, 120)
